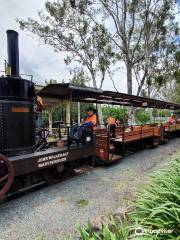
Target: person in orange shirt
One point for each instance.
(91, 119)
(111, 122)
(89, 123)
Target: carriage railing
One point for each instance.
(61, 137)
(62, 134)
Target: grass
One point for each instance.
(82, 203)
(156, 211)
(40, 236)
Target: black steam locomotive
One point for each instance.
(18, 155)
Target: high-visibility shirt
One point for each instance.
(111, 121)
(92, 119)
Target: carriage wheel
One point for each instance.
(6, 180)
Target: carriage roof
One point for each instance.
(53, 93)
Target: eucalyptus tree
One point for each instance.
(138, 29)
(67, 29)
(171, 91)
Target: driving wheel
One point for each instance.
(6, 175)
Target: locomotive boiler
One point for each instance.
(17, 128)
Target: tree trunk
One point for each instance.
(68, 112)
(100, 115)
(79, 112)
(151, 116)
(131, 116)
(50, 120)
(99, 109)
(129, 78)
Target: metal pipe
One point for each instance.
(13, 52)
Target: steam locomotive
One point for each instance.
(20, 163)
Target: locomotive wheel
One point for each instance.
(6, 180)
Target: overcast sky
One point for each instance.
(37, 59)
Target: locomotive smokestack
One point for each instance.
(13, 52)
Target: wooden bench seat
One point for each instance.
(177, 126)
(131, 136)
(147, 132)
(137, 134)
(172, 127)
(157, 131)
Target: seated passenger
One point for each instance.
(171, 120)
(89, 123)
(91, 119)
(111, 122)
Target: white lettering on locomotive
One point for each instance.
(52, 159)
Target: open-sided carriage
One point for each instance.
(127, 138)
(23, 163)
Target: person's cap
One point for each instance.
(91, 109)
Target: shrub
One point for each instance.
(156, 211)
(142, 116)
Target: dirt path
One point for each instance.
(56, 210)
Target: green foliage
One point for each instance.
(51, 81)
(177, 93)
(142, 116)
(119, 112)
(156, 209)
(177, 56)
(79, 77)
(60, 112)
(39, 236)
(83, 202)
(161, 112)
(158, 206)
(115, 230)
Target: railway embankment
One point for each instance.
(57, 210)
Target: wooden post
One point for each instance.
(68, 113)
(50, 120)
(79, 113)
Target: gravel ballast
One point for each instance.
(55, 211)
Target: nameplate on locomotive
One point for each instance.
(52, 159)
